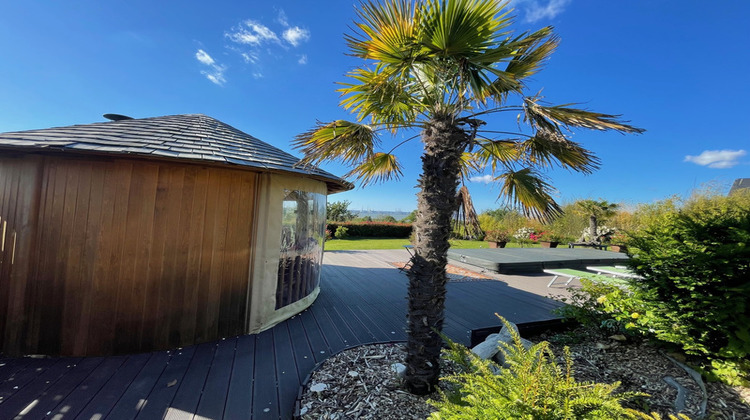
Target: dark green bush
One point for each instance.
(374, 229)
(695, 261)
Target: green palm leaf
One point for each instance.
(382, 96)
(526, 190)
(546, 148)
(379, 167)
(340, 140)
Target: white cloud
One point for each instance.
(282, 19)
(252, 33)
(204, 58)
(536, 10)
(249, 57)
(484, 178)
(215, 72)
(718, 159)
(255, 41)
(295, 35)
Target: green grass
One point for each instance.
(351, 244)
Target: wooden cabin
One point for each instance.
(143, 234)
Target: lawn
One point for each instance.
(353, 243)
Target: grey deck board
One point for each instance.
(38, 386)
(265, 396)
(132, 401)
(50, 398)
(166, 387)
(362, 300)
(287, 378)
(188, 394)
(71, 405)
(240, 393)
(213, 399)
(101, 403)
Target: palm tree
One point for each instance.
(595, 211)
(439, 67)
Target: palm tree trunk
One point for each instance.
(592, 228)
(444, 143)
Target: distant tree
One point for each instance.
(410, 218)
(387, 218)
(338, 211)
(498, 214)
(596, 211)
(366, 219)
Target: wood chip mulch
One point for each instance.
(360, 383)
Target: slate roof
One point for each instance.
(194, 137)
(740, 184)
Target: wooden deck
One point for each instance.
(362, 300)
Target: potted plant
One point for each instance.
(548, 239)
(524, 235)
(497, 238)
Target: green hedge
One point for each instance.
(696, 267)
(373, 229)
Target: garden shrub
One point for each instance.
(533, 386)
(341, 232)
(696, 265)
(374, 229)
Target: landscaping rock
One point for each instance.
(399, 368)
(487, 348)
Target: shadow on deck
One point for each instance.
(362, 301)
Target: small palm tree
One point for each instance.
(595, 211)
(440, 66)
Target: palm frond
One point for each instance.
(546, 148)
(531, 51)
(340, 140)
(379, 167)
(550, 118)
(495, 152)
(387, 32)
(460, 28)
(527, 191)
(385, 98)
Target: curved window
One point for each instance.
(302, 234)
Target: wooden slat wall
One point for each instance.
(135, 256)
(19, 184)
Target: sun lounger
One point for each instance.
(617, 271)
(571, 275)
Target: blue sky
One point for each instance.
(676, 68)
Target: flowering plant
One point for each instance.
(497, 236)
(524, 234)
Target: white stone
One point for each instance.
(319, 387)
(353, 374)
(399, 368)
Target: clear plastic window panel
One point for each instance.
(302, 234)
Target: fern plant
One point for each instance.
(532, 386)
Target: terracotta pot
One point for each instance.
(548, 244)
(618, 248)
(496, 244)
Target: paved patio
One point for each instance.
(362, 300)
